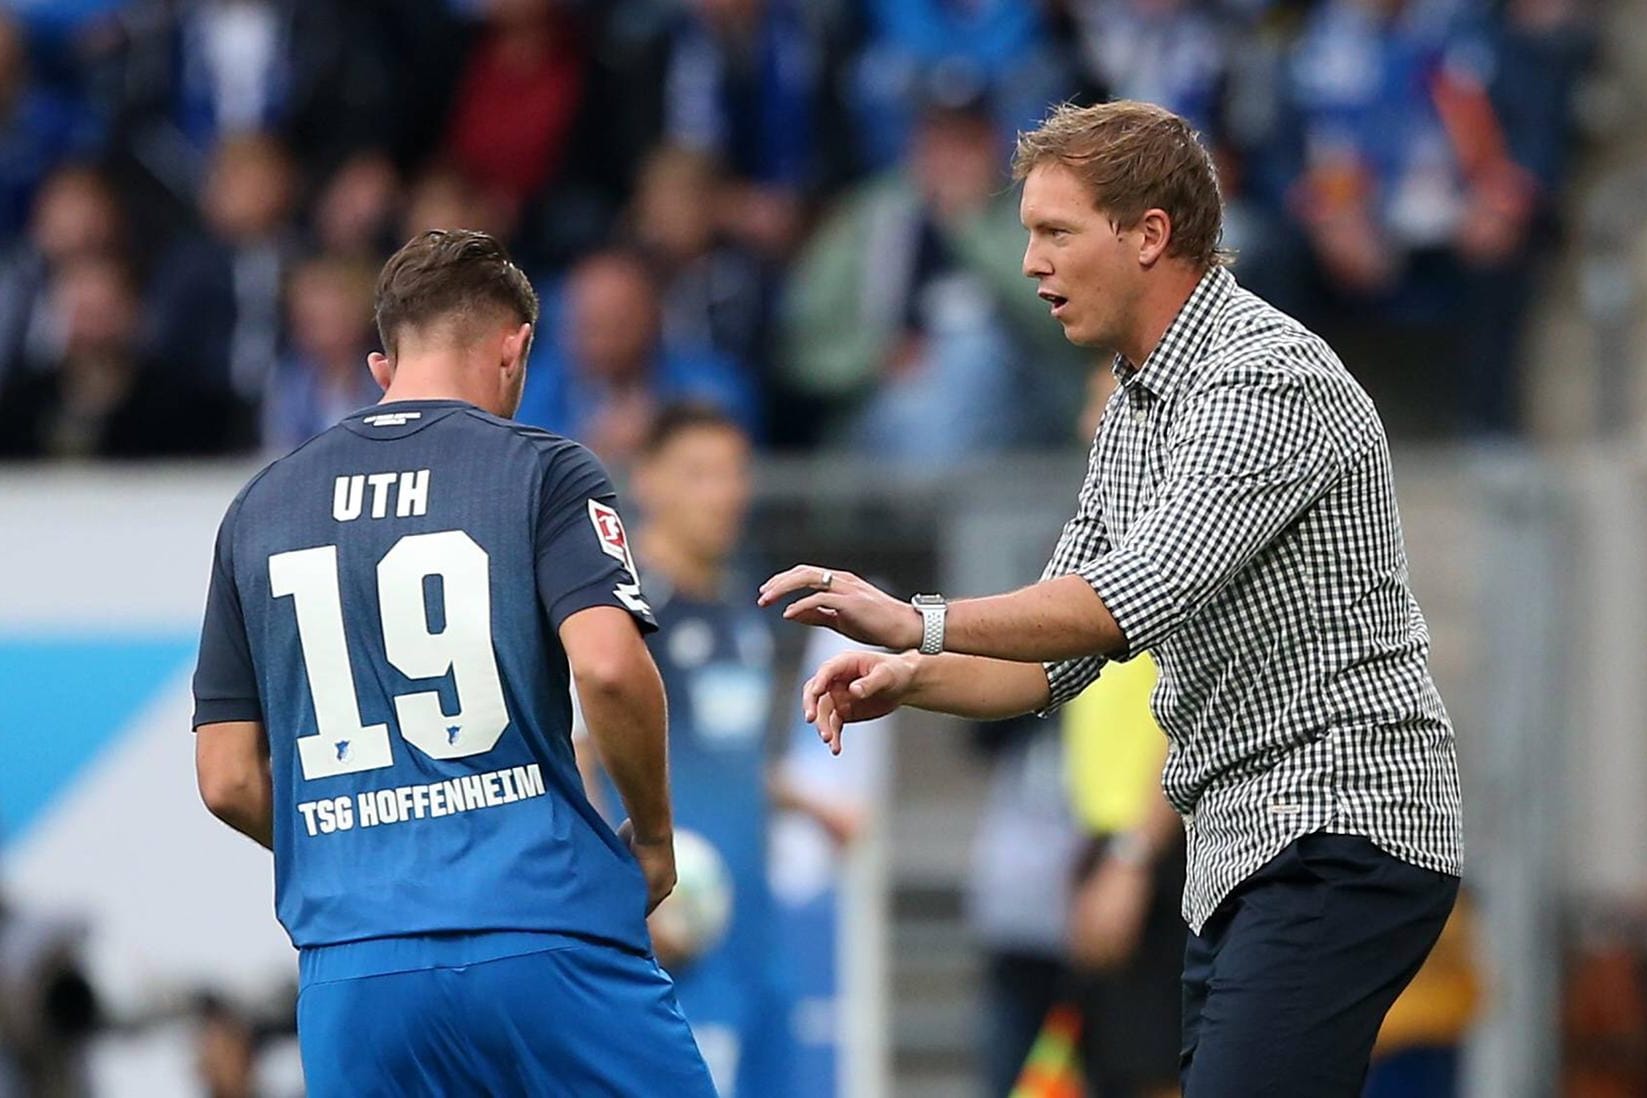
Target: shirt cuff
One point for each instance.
(221, 710)
(1136, 596)
(1067, 678)
(600, 594)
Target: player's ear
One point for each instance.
(516, 346)
(382, 372)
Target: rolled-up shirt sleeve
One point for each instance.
(1245, 459)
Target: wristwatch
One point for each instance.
(932, 608)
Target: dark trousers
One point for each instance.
(1019, 989)
(1286, 985)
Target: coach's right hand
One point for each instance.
(657, 861)
(856, 686)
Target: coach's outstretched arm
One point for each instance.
(861, 686)
(1056, 619)
(621, 695)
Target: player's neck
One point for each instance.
(686, 573)
(411, 382)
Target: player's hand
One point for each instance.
(657, 861)
(849, 605)
(855, 686)
(1109, 912)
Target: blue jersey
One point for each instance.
(716, 663)
(386, 601)
(716, 659)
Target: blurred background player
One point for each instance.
(473, 881)
(715, 652)
(1126, 935)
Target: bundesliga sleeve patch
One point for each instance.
(614, 542)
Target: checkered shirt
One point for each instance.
(1238, 519)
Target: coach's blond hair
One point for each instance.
(1135, 157)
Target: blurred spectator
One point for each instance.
(1382, 178)
(908, 315)
(215, 299)
(517, 98)
(186, 76)
(1415, 203)
(225, 1051)
(247, 1049)
(441, 198)
(1542, 50)
(742, 85)
(1173, 53)
(323, 376)
(48, 1009)
(1002, 45)
(101, 398)
(601, 378)
(355, 210)
(40, 127)
(75, 216)
(1223, 70)
(716, 294)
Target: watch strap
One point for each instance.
(933, 611)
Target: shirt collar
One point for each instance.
(1173, 360)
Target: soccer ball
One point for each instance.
(693, 919)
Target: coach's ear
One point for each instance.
(382, 372)
(1155, 233)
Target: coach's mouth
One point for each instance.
(1057, 301)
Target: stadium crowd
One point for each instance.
(795, 209)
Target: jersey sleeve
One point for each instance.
(583, 554)
(225, 684)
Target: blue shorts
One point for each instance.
(491, 1014)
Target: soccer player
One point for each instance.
(398, 610)
(1238, 522)
(715, 652)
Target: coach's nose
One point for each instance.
(1036, 264)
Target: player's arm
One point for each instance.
(621, 697)
(588, 585)
(231, 765)
(231, 749)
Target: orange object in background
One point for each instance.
(1441, 1004)
(1604, 1018)
(1053, 1067)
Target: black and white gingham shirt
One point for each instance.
(1239, 521)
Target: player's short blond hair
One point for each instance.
(1135, 157)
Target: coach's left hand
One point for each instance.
(849, 605)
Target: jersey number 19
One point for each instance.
(343, 744)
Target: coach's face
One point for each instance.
(1084, 267)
